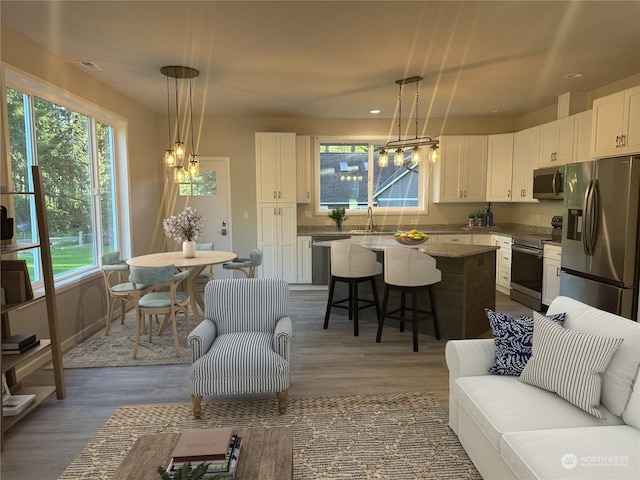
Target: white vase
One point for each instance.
(189, 248)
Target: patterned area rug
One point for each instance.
(115, 350)
(396, 436)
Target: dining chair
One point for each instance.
(408, 270)
(352, 264)
(207, 273)
(117, 285)
(168, 303)
(246, 265)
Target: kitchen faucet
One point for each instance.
(370, 225)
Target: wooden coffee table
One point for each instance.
(267, 453)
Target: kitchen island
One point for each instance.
(466, 289)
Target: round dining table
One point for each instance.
(195, 265)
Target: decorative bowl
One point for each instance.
(410, 241)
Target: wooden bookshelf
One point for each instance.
(48, 347)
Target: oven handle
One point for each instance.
(528, 251)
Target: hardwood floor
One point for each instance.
(324, 362)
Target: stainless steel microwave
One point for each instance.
(548, 183)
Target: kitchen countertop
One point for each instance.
(433, 229)
(378, 243)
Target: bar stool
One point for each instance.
(408, 270)
(352, 264)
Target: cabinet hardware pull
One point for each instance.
(275, 194)
(617, 141)
(623, 140)
(509, 193)
(557, 272)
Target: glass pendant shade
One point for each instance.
(383, 158)
(179, 174)
(434, 154)
(169, 158)
(416, 155)
(178, 148)
(398, 158)
(194, 165)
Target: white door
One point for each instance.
(210, 195)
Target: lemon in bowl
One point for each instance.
(412, 237)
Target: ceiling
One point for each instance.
(341, 59)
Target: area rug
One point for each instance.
(115, 349)
(395, 436)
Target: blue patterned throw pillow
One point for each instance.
(513, 337)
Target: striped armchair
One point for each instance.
(242, 345)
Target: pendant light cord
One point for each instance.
(193, 146)
(399, 111)
(168, 112)
(417, 103)
(177, 110)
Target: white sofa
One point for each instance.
(511, 429)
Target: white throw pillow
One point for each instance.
(569, 363)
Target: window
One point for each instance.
(75, 146)
(350, 178)
(205, 184)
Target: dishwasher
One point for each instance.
(321, 258)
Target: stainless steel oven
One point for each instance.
(526, 269)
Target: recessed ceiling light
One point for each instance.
(573, 75)
(494, 111)
(375, 110)
(89, 65)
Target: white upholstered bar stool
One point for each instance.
(408, 270)
(352, 264)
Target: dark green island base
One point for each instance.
(466, 289)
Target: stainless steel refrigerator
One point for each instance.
(600, 248)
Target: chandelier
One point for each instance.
(400, 144)
(174, 156)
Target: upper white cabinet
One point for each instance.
(303, 168)
(582, 136)
(556, 142)
(276, 167)
(499, 167)
(460, 175)
(616, 124)
(526, 155)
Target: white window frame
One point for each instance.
(28, 84)
(423, 190)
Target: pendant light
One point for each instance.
(400, 144)
(174, 157)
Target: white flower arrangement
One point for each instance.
(187, 226)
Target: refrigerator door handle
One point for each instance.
(586, 219)
(593, 214)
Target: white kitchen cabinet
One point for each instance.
(304, 259)
(462, 239)
(481, 239)
(556, 142)
(275, 167)
(526, 155)
(277, 238)
(582, 136)
(616, 124)
(303, 169)
(460, 175)
(550, 273)
(503, 263)
(499, 167)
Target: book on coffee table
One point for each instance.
(202, 444)
(217, 468)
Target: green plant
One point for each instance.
(472, 215)
(338, 215)
(188, 473)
